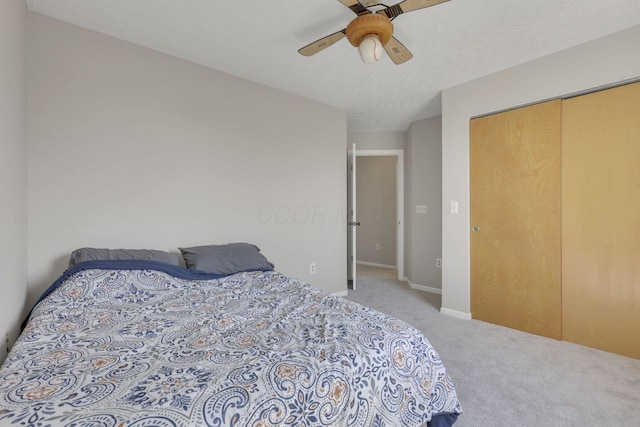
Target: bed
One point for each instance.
(146, 343)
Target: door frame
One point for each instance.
(399, 154)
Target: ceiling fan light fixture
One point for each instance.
(373, 19)
(369, 33)
(370, 49)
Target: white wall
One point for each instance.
(13, 164)
(377, 140)
(424, 187)
(129, 147)
(611, 59)
(422, 144)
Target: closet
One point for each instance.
(515, 180)
(555, 219)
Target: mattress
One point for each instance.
(143, 343)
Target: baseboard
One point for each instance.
(373, 264)
(455, 313)
(423, 288)
(341, 293)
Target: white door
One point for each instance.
(351, 217)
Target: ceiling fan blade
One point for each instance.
(408, 6)
(355, 6)
(398, 53)
(321, 44)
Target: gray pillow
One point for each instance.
(225, 259)
(94, 254)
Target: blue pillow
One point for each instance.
(225, 259)
(95, 254)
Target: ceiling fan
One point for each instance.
(372, 30)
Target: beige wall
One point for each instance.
(129, 147)
(13, 163)
(608, 60)
(376, 208)
(424, 187)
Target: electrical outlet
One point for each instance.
(7, 342)
(312, 268)
(377, 246)
(439, 262)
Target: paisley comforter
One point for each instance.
(141, 343)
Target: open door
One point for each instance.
(351, 218)
(353, 223)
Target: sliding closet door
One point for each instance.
(601, 220)
(515, 183)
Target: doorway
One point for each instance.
(355, 221)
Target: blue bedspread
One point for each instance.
(148, 344)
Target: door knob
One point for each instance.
(476, 229)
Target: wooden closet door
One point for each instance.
(601, 220)
(515, 180)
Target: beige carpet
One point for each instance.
(510, 378)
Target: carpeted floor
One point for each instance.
(510, 378)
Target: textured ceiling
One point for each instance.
(451, 43)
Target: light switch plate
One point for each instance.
(421, 209)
